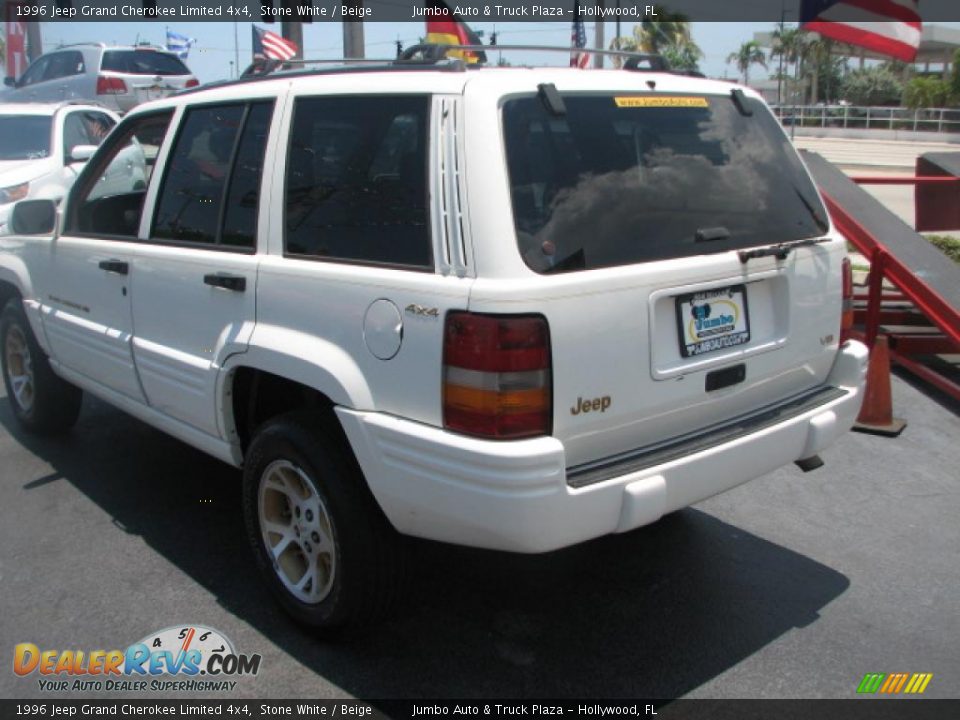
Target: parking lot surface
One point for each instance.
(794, 585)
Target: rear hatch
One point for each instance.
(148, 74)
(632, 209)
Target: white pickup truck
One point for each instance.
(507, 308)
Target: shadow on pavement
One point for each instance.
(650, 614)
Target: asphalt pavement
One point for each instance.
(794, 585)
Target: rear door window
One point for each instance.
(143, 62)
(213, 177)
(636, 178)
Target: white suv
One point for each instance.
(43, 147)
(512, 308)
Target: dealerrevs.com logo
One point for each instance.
(189, 658)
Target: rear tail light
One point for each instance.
(846, 317)
(496, 375)
(192, 82)
(110, 85)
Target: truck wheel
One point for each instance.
(321, 541)
(42, 402)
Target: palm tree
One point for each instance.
(668, 35)
(669, 29)
(787, 45)
(750, 53)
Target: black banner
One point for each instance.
(858, 709)
(563, 11)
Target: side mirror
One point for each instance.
(34, 217)
(9, 81)
(81, 153)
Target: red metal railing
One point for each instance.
(944, 316)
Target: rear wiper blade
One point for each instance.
(780, 250)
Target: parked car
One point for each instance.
(509, 308)
(44, 146)
(119, 78)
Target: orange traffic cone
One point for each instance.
(876, 413)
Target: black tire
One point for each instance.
(367, 556)
(53, 405)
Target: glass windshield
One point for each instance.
(24, 137)
(143, 62)
(634, 178)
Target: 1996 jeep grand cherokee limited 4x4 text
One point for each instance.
(508, 308)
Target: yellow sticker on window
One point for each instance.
(661, 101)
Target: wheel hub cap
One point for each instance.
(297, 532)
(19, 366)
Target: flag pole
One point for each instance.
(236, 48)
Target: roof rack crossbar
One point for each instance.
(434, 52)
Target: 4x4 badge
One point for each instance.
(415, 309)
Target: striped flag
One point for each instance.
(16, 45)
(888, 27)
(269, 45)
(578, 39)
(179, 44)
(444, 27)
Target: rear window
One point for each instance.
(635, 178)
(143, 62)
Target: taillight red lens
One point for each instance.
(496, 375)
(192, 82)
(110, 85)
(846, 317)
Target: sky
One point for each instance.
(210, 58)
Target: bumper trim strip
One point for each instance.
(652, 455)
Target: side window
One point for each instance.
(211, 185)
(107, 199)
(356, 186)
(98, 125)
(35, 72)
(64, 64)
(243, 197)
(74, 133)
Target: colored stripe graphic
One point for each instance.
(918, 683)
(871, 682)
(894, 683)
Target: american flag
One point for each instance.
(578, 39)
(270, 45)
(888, 27)
(16, 47)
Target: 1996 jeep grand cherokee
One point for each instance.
(507, 308)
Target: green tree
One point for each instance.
(668, 35)
(750, 53)
(824, 65)
(955, 79)
(926, 92)
(872, 86)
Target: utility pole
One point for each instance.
(293, 31)
(34, 41)
(353, 43)
(598, 41)
(783, 13)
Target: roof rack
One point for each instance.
(424, 56)
(80, 44)
(429, 53)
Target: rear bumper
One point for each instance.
(516, 496)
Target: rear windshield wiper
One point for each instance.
(780, 250)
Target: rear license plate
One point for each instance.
(712, 320)
(156, 92)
